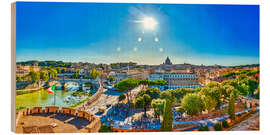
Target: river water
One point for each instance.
(43, 98)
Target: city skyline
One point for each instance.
(161, 63)
(226, 35)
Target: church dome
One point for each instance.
(168, 61)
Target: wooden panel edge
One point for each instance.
(13, 67)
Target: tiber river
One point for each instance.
(43, 98)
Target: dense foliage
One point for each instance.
(121, 97)
(225, 124)
(244, 72)
(76, 75)
(166, 124)
(145, 97)
(126, 84)
(231, 107)
(204, 128)
(218, 127)
(35, 76)
(158, 106)
(95, 73)
(208, 102)
(105, 128)
(213, 90)
(44, 75)
(192, 103)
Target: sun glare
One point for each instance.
(149, 23)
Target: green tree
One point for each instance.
(166, 124)
(143, 102)
(139, 102)
(181, 92)
(229, 74)
(64, 70)
(95, 73)
(231, 107)
(258, 92)
(204, 128)
(121, 97)
(58, 70)
(18, 78)
(181, 109)
(76, 74)
(152, 92)
(105, 128)
(250, 73)
(253, 85)
(214, 90)
(209, 103)
(192, 104)
(24, 77)
(126, 85)
(218, 127)
(34, 76)
(225, 124)
(144, 82)
(167, 94)
(243, 88)
(52, 73)
(44, 75)
(158, 106)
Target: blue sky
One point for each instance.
(107, 33)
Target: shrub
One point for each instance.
(121, 97)
(225, 124)
(204, 128)
(218, 127)
(105, 128)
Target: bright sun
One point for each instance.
(149, 23)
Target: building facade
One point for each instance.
(181, 80)
(176, 80)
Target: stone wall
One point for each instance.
(27, 85)
(93, 98)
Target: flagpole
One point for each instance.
(54, 95)
(51, 89)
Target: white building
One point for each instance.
(176, 80)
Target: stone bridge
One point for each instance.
(80, 81)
